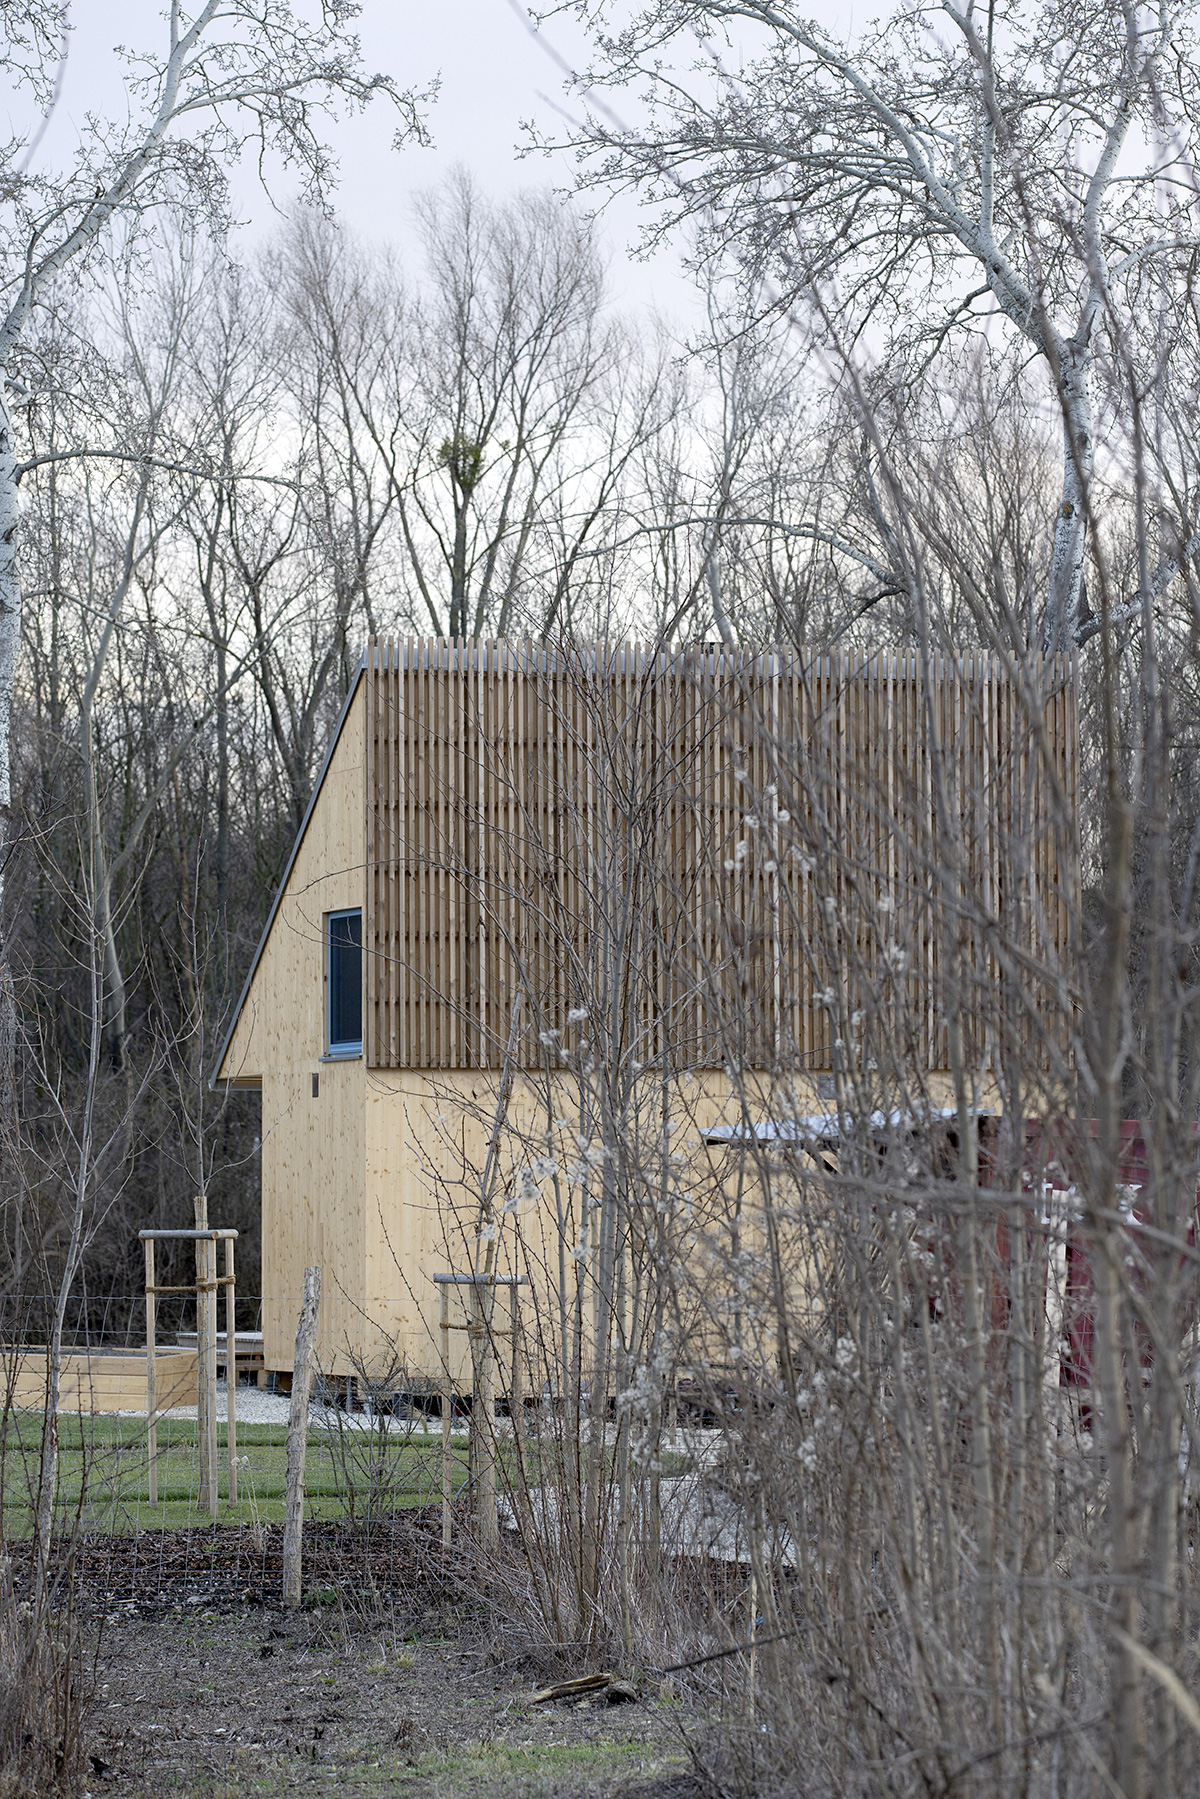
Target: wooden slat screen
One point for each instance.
(719, 856)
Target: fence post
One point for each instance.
(516, 1385)
(230, 1369)
(297, 1437)
(447, 1409)
(206, 1360)
(151, 1374)
(483, 1414)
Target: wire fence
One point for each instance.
(371, 1475)
(108, 1320)
(384, 1468)
(375, 1466)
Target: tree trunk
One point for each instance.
(1064, 600)
(222, 870)
(48, 1470)
(10, 640)
(114, 976)
(458, 570)
(297, 1436)
(1115, 1432)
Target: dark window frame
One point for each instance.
(338, 1047)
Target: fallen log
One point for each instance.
(573, 1689)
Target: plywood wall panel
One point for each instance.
(312, 1148)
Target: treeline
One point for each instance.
(944, 395)
(238, 472)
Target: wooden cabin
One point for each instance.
(555, 913)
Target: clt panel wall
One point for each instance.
(717, 857)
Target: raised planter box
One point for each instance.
(100, 1380)
(248, 1349)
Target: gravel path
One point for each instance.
(255, 1405)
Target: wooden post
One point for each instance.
(297, 1437)
(230, 1369)
(200, 1220)
(483, 1416)
(205, 1289)
(517, 1384)
(210, 1298)
(151, 1380)
(206, 1360)
(447, 1409)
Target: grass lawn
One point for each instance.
(102, 1474)
(527, 1769)
(103, 1470)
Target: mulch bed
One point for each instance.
(236, 1564)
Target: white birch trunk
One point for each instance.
(1063, 600)
(297, 1436)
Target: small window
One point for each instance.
(345, 983)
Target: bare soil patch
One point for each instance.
(394, 1678)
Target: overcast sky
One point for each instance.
(494, 74)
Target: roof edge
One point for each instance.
(244, 1081)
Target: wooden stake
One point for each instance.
(206, 1360)
(483, 1418)
(230, 1369)
(297, 1437)
(447, 1408)
(210, 1296)
(151, 1382)
(516, 1387)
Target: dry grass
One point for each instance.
(42, 1702)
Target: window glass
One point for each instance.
(345, 980)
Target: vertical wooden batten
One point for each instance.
(516, 790)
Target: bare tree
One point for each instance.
(1029, 174)
(344, 339)
(515, 345)
(475, 423)
(236, 417)
(226, 75)
(171, 449)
